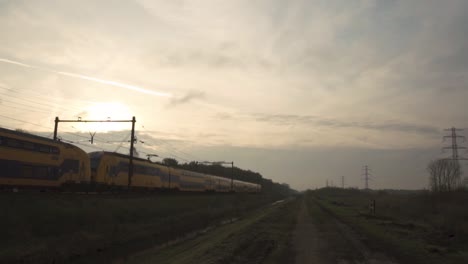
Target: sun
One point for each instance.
(106, 111)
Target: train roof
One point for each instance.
(31, 136)
(100, 153)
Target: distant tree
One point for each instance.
(170, 162)
(444, 175)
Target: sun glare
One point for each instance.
(106, 111)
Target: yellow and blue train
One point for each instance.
(31, 161)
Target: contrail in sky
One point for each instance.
(89, 78)
(16, 63)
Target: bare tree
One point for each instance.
(444, 175)
(464, 183)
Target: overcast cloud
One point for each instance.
(274, 76)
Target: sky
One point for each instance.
(303, 92)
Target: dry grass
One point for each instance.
(45, 227)
(413, 226)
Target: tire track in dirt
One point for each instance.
(328, 240)
(306, 239)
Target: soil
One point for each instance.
(327, 240)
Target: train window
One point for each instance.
(41, 172)
(137, 169)
(155, 171)
(28, 145)
(12, 143)
(26, 171)
(44, 149)
(123, 166)
(95, 163)
(54, 150)
(53, 172)
(70, 165)
(1, 140)
(113, 171)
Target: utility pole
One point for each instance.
(132, 139)
(232, 175)
(366, 176)
(454, 147)
(130, 164)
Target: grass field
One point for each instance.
(414, 227)
(47, 227)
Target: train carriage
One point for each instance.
(193, 181)
(240, 186)
(222, 184)
(34, 161)
(110, 169)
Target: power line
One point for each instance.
(15, 106)
(41, 97)
(40, 103)
(70, 133)
(34, 102)
(169, 147)
(22, 121)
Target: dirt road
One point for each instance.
(297, 231)
(319, 238)
(306, 240)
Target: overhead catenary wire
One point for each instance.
(164, 146)
(167, 146)
(70, 103)
(166, 150)
(35, 103)
(38, 125)
(36, 106)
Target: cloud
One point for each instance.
(223, 116)
(393, 66)
(310, 120)
(186, 98)
(82, 114)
